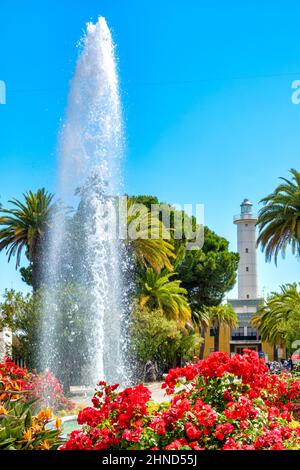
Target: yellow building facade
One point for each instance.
(225, 345)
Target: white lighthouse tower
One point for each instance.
(246, 246)
(248, 301)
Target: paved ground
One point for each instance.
(83, 395)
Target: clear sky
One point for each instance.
(206, 89)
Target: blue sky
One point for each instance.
(206, 90)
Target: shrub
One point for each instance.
(19, 429)
(43, 390)
(155, 338)
(13, 379)
(48, 393)
(217, 403)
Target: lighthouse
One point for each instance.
(248, 300)
(246, 247)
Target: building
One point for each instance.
(5, 343)
(248, 301)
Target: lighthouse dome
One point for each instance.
(246, 206)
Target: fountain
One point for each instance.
(84, 302)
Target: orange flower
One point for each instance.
(16, 385)
(58, 423)
(36, 427)
(44, 445)
(3, 411)
(27, 435)
(44, 414)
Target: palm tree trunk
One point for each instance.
(275, 354)
(36, 261)
(217, 338)
(203, 334)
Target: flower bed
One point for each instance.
(44, 388)
(217, 403)
(20, 429)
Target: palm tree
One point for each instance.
(221, 315)
(279, 219)
(148, 238)
(200, 319)
(157, 291)
(25, 226)
(272, 318)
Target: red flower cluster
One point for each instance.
(221, 403)
(123, 410)
(13, 379)
(45, 388)
(48, 392)
(223, 430)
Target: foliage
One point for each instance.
(71, 303)
(149, 239)
(279, 219)
(26, 274)
(279, 318)
(221, 403)
(221, 315)
(155, 338)
(158, 291)
(14, 380)
(40, 390)
(47, 392)
(25, 226)
(209, 273)
(19, 428)
(23, 313)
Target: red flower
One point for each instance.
(222, 430)
(192, 432)
(158, 425)
(177, 444)
(132, 435)
(227, 403)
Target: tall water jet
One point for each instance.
(84, 314)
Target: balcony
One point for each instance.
(245, 338)
(245, 217)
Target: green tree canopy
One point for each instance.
(278, 320)
(208, 274)
(221, 315)
(24, 228)
(157, 290)
(155, 338)
(279, 218)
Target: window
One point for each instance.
(246, 225)
(238, 332)
(247, 269)
(251, 331)
(247, 296)
(247, 251)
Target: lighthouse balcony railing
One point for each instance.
(245, 216)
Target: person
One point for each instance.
(290, 363)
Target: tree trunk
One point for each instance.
(36, 260)
(275, 353)
(203, 334)
(217, 338)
